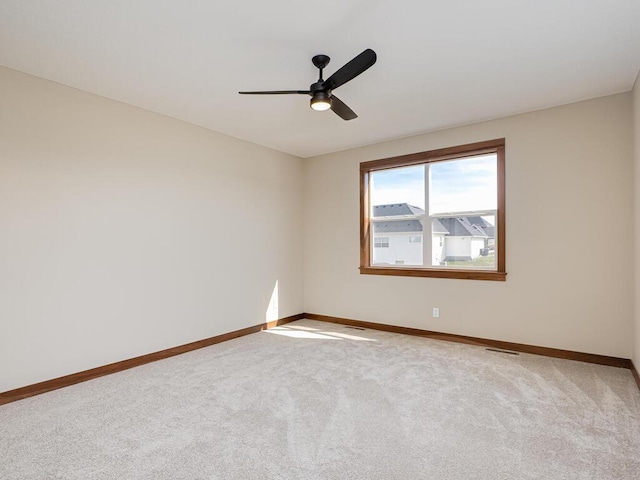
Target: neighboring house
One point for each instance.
(397, 236)
(468, 237)
(398, 241)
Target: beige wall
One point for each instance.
(636, 145)
(124, 232)
(569, 182)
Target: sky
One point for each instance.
(458, 185)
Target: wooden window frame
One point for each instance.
(496, 146)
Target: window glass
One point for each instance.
(397, 213)
(463, 196)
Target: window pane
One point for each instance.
(466, 185)
(397, 203)
(381, 242)
(463, 197)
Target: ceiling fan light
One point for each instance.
(320, 102)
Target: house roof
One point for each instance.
(458, 226)
(462, 227)
(396, 209)
(438, 227)
(397, 227)
(488, 228)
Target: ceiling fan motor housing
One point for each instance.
(319, 86)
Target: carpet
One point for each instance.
(313, 400)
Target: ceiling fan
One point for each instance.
(321, 92)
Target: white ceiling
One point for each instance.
(440, 63)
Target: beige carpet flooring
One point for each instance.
(312, 400)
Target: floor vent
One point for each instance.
(502, 351)
(356, 328)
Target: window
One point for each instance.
(435, 214)
(381, 242)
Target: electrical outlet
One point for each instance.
(436, 312)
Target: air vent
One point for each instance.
(502, 351)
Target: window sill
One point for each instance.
(435, 273)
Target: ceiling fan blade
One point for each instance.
(341, 109)
(278, 92)
(351, 69)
